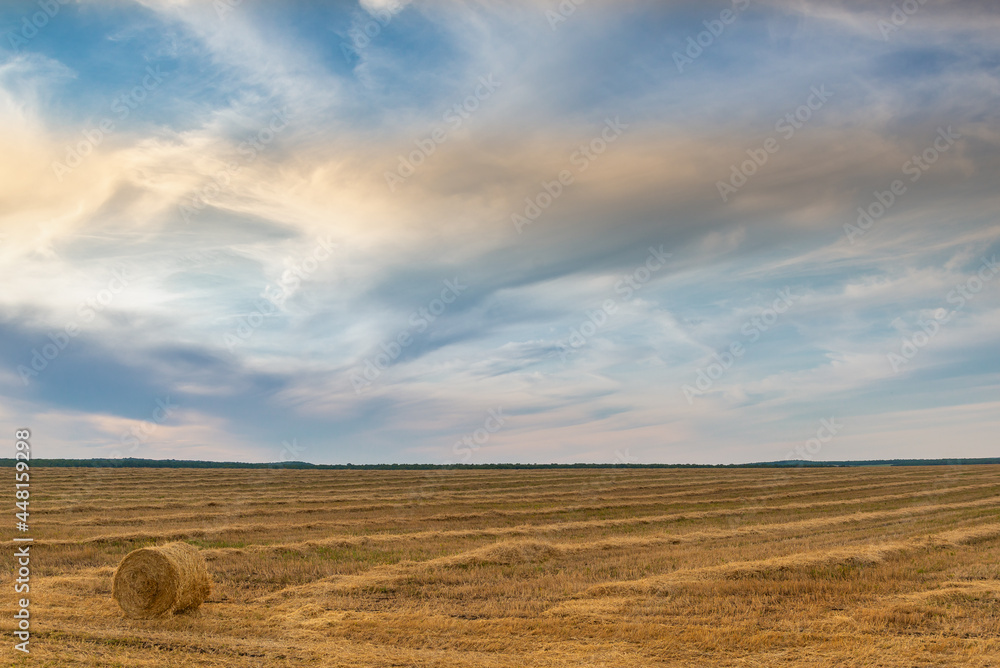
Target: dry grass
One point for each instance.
(846, 567)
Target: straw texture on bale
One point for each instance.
(153, 581)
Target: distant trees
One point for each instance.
(130, 462)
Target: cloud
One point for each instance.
(375, 7)
(208, 208)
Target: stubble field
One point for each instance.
(618, 568)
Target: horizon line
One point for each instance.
(134, 462)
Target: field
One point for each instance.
(618, 568)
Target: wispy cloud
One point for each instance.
(205, 137)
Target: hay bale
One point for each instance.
(153, 581)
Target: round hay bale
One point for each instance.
(153, 581)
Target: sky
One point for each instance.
(511, 231)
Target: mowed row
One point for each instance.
(574, 567)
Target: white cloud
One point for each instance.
(375, 7)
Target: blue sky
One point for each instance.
(487, 232)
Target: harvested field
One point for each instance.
(662, 567)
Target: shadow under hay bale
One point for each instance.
(153, 581)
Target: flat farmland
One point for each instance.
(571, 567)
